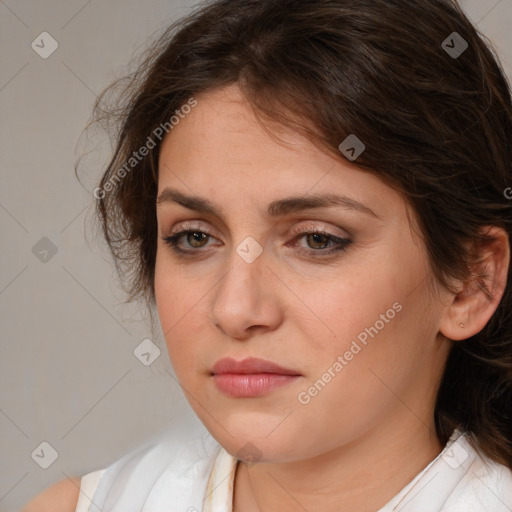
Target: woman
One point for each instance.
(313, 195)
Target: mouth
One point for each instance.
(250, 377)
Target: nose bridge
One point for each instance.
(243, 295)
(246, 265)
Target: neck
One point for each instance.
(361, 476)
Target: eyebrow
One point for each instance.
(277, 208)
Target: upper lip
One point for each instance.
(249, 365)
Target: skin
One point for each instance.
(60, 497)
(371, 429)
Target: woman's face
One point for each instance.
(349, 312)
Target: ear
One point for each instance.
(471, 308)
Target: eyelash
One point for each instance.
(341, 244)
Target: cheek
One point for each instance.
(353, 379)
(179, 302)
(374, 320)
(350, 306)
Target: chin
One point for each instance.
(259, 450)
(253, 441)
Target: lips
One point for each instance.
(250, 365)
(250, 377)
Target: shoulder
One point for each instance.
(485, 485)
(171, 468)
(460, 479)
(60, 497)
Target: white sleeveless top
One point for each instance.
(198, 476)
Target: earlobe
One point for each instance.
(456, 325)
(473, 306)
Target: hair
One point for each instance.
(436, 127)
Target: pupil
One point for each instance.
(198, 236)
(317, 236)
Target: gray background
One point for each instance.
(69, 374)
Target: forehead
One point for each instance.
(220, 149)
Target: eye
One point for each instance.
(317, 240)
(194, 237)
(321, 243)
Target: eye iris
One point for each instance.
(315, 237)
(197, 237)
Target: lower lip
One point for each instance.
(252, 384)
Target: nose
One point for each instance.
(247, 297)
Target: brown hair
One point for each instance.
(436, 126)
